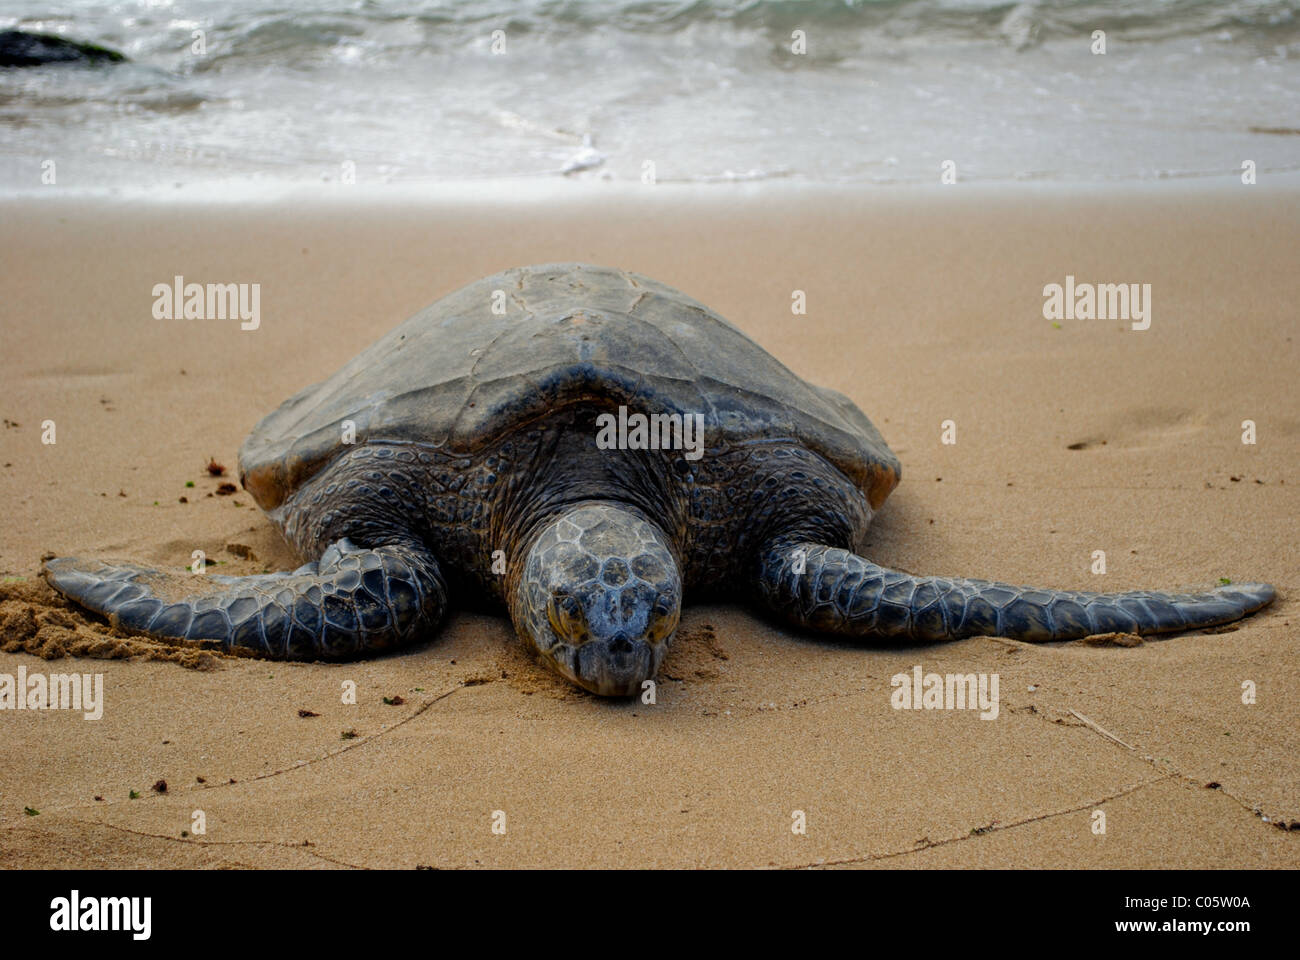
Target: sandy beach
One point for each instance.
(924, 304)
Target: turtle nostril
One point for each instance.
(619, 643)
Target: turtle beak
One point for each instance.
(611, 639)
(617, 667)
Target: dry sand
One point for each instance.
(923, 305)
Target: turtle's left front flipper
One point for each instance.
(351, 602)
(836, 591)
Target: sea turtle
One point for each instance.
(582, 446)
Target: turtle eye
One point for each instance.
(663, 622)
(565, 614)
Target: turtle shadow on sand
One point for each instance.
(583, 447)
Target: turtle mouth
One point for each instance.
(616, 667)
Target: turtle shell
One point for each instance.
(516, 346)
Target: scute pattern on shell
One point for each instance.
(458, 375)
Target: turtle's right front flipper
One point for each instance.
(351, 602)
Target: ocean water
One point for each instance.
(712, 91)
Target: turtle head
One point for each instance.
(599, 597)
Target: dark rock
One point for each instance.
(21, 49)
